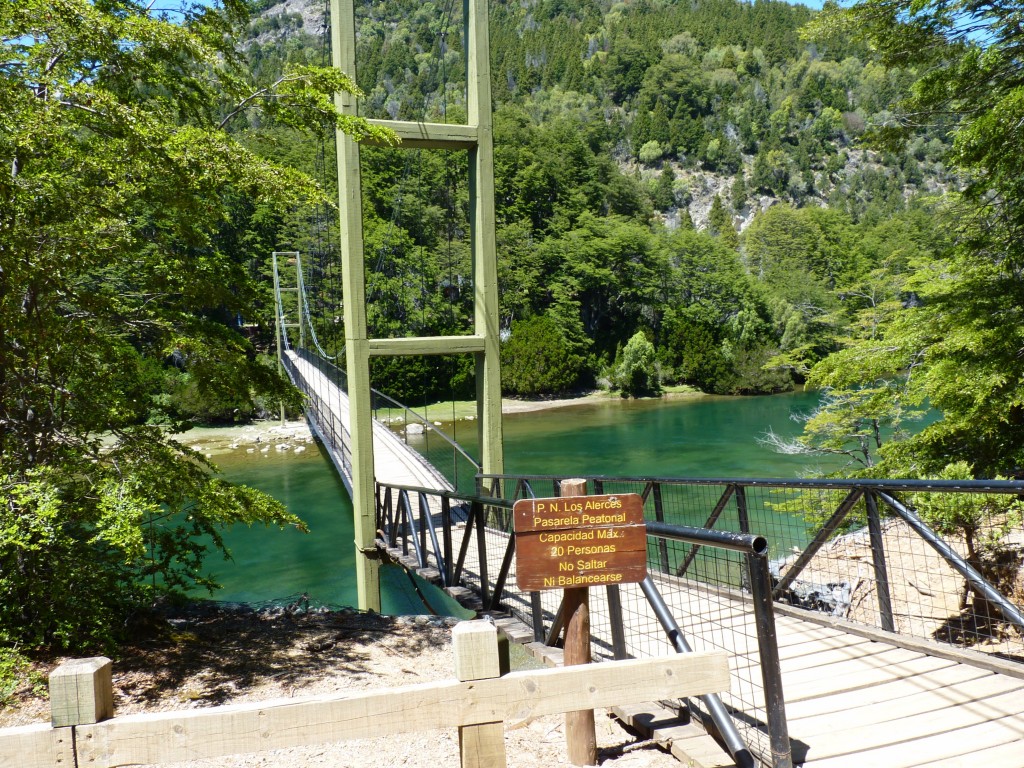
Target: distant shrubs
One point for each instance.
(636, 369)
(536, 359)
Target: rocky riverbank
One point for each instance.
(258, 437)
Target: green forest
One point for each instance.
(737, 197)
(695, 174)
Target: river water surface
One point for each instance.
(700, 437)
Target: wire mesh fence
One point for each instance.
(936, 560)
(705, 589)
(714, 610)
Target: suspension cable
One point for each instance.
(304, 300)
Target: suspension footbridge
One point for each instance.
(835, 657)
(862, 640)
(394, 462)
(816, 681)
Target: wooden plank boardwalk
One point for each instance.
(852, 701)
(395, 463)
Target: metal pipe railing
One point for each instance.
(978, 582)
(885, 613)
(755, 548)
(733, 741)
(771, 666)
(747, 543)
(427, 522)
(835, 484)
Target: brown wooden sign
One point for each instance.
(580, 541)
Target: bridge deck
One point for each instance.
(850, 700)
(395, 463)
(857, 702)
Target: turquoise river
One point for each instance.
(700, 437)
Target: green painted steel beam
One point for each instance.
(427, 345)
(429, 135)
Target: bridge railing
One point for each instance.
(464, 540)
(933, 560)
(323, 414)
(427, 439)
(420, 434)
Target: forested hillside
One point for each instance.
(690, 172)
(734, 196)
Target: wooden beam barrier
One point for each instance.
(81, 692)
(37, 746)
(170, 737)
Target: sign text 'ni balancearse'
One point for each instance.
(580, 541)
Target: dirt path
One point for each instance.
(210, 655)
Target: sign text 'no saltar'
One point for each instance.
(580, 541)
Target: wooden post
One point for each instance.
(477, 658)
(81, 692)
(580, 731)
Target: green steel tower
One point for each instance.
(475, 138)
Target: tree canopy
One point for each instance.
(955, 344)
(119, 268)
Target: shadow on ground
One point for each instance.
(210, 652)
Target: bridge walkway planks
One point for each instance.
(851, 701)
(395, 463)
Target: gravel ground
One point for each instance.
(211, 654)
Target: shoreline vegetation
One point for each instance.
(265, 436)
